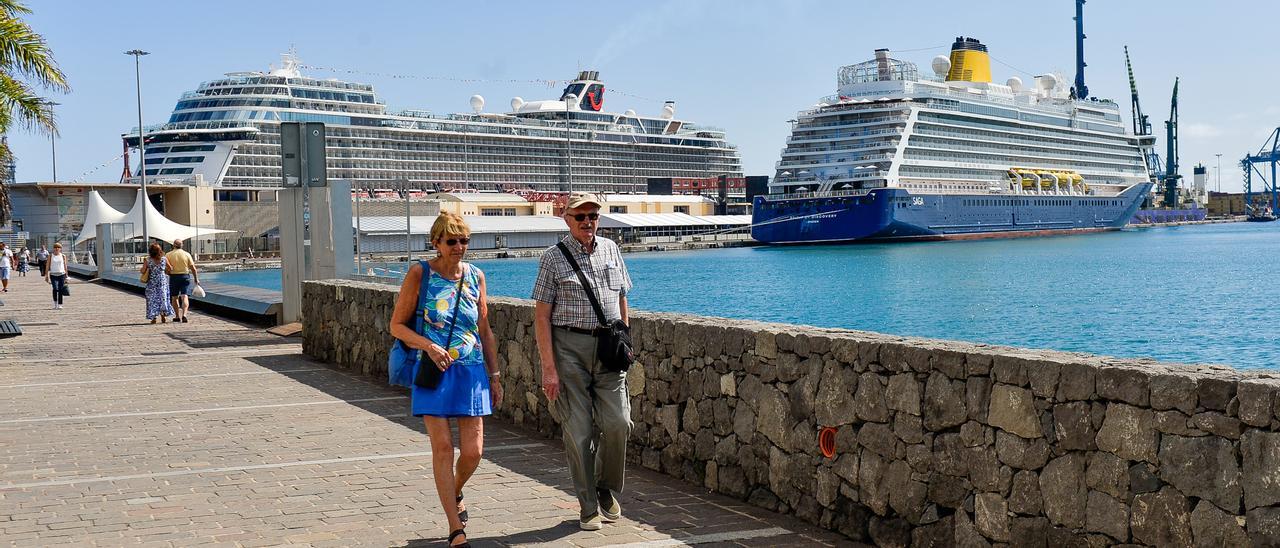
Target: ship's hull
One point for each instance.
(896, 214)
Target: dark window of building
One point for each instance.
(617, 209)
(681, 209)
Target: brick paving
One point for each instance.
(115, 432)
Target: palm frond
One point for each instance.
(13, 8)
(19, 103)
(25, 52)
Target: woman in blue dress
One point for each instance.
(157, 285)
(463, 348)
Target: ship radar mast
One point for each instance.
(288, 65)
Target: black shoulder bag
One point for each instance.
(613, 343)
(429, 373)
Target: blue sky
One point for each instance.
(746, 66)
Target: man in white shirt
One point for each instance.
(6, 264)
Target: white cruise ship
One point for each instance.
(898, 155)
(227, 131)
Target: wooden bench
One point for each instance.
(9, 328)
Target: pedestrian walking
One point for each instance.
(6, 264)
(181, 269)
(157, 280)
(42, 260)
(457, 354)
(56, 275)
(24, 259)
(589, 398)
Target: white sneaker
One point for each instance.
(59, 307)
(55, 306)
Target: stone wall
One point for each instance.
(937, 443)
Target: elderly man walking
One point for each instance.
(584, 393)
(182, 277)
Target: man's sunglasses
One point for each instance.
(584, 216)
(454, 241)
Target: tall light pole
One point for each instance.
(1219, 172)
(142, 155)
(53, 147)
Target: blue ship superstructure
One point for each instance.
(897, 156)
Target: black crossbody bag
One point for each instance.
(613, 343)
(429, 373)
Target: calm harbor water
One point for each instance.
(1204, 293)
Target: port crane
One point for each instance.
(1269, 153)
(1142, 123)
(1170, 176)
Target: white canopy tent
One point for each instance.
(158, 226)
(97, 211)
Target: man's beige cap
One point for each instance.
(579, 199)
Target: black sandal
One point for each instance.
(457, 534)
(462, 515)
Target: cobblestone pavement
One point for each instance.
(117, 432)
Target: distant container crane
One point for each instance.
(1269, 153)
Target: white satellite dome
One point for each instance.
(1014, 83)
(941, 66)
(516, 103)
(629, 113)
(1047, 81)
(477, 103)
(669, 110)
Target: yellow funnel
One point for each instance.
(969, 61)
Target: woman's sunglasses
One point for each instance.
(454, 241)
(584, 216)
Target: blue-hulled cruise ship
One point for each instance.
(895, 155)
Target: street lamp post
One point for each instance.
(1219, 172)
(53, 147)
(568, 137)
(142, 155)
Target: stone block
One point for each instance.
(1215, 392)
(1109, 474)
(1174, 422)
(1024, 494)
(991, 516)
(1009, 369)
(773, 417)
(948, 491)
(1126, 384)
(1173, 390)
(1062, 483)
(1129, 433)
(803, 394)
(889, 533)
(846, 467)
(833, 404)
(878, 438)
(974, 434)
(1211, 527)
(985, 471)
(950, 456)
(872, 486)
(744, 422)
(1218, 424)
(1012, 410)
(1044, 378)
(904, 393)
(1073, 426)
(869, 401)
(906, 495)
(977, 397)
(943, 403)
(977, 364)
(1263, 526)
(1107, 515)
(1030, 532)
(1257, 399)
(909, 428)
(1162, 518)
(1021, 453)
(967, 534)
(1260, 454)
(1077, 382)
(949, 362)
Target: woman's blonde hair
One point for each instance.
(449, 224)
(57, 246)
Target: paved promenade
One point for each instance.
(117, 432)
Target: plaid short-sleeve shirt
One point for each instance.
(558, 285)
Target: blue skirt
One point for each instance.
(463, 392)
